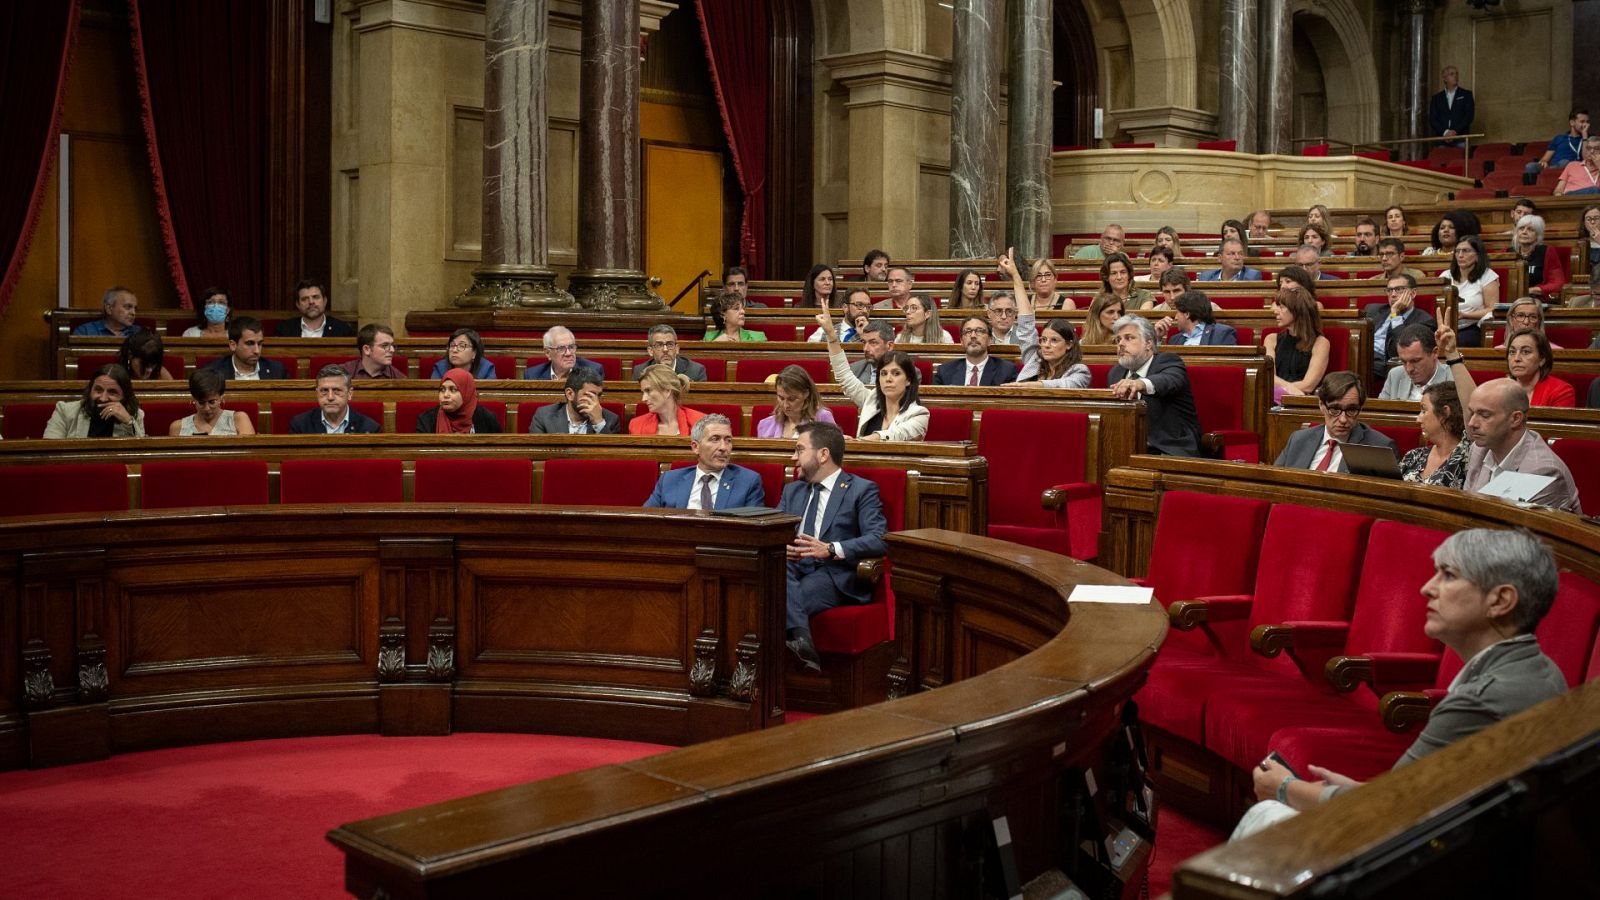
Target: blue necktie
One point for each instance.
(809, 526)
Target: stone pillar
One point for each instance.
(1277, 78)
(1237, 81)
(1030, 132)
(1414, 75)
(514, 270)
(975, 131)
(609, 240)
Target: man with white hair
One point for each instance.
(1162, 381)
(714, 482)
(561, 357)
(120, 307)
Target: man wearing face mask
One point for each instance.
(244, 361)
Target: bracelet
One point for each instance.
(1455, 361)
(1283, 788)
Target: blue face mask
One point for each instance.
(216, 313)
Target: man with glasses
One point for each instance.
(1389, 318)
(1003, 326)
(1111, 241)
(662, 342)
(1340, 396)
(858, 309)
(561, 357)
(900, 283)
(1392, 259)
(1307, 257)
(979, 369)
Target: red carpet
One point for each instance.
(247, 819)
(1177, 839)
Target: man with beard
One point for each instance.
(1162, 381)
(713, 482)
(979, 369)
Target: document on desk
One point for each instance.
(1109, 593)
(1519, 487)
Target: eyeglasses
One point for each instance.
(1002, 313)
(966, 332)
(1346, 412)
(565, 348)
(1043, 275)
(663, 345)
(460, 345)
(1524, 317)
(1396, 290)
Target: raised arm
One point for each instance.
(1447, 351)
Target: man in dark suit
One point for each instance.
(1341, 396)
(713, 482)
(877, 338)
(1193, 324)
(244, 361)
(334, 415)
(1450, 112)
(979, 369)
(662, 342)
(311, 298)
(1388, 318)
(841, 522)
(581, 412)
(1162, 380)
(561, 357)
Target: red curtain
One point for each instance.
(203, 71)
(36, 41)
(736, 40)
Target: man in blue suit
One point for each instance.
(713, 483)
(1193, 324)
(841, 522)
(1231, 256)
(561, 357)
(1451, 111)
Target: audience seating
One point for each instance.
(505, 366)
(1185, 562)
(1038, 494)
(473, 481)
(291, 365)
(213, 482)
(1219, 402)
(1583, 459)
(341, 481)
(67, 488)
(27, 420)
(947, 423)
(755, 371)
(598, 482)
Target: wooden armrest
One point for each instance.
(1404, 710)
(1057, 497)
(1271, 640)
(1187, 615)
(870, 569)
(1053, 498)
(1346, 673)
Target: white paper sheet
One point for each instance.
(1109, 593)
(1516, 486)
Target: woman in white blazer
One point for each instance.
(889, 410)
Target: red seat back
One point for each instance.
(847, 417)
(1389, 609)
(210, 482)
(1310, 562)
(1218, 396)
(341, 481)
(1405, 437)
(158, 417)
(1582, 457)
(474, 481)
(892, 491)
(754, 371)
(1185, 561)
(1567, 633)
(27, 420)
(68, 488)
(1028, 452)
(598, 482)
(949, 424)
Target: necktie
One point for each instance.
(706, 502)
(809, 526)
(972, 376)
(1327, 457)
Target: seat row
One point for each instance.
(1306, 637)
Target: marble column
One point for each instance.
(1237, 81)
(1030, 133)
(514, 270)
(975, 131)
(609, 240)
(1414, 75)
(1276, 117)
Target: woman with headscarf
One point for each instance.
(458, 411)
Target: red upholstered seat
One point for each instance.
(1204, 546)
(1314, 150)
(855, 628)
(68, 488)
(1030, 452)
(847, 417)
(318, 362)
(598, 482)
(341, 481)
(949, 424)
(778, 332)
(1219, 399)
(755, 371)
(407, 411)
(284, 411)
(1405, 437)
(474, 481)
(158, 417)
(1583, 459)
(1246, 335)
(924, 370)
(210, 482)
(1226, 146)
(27, 420)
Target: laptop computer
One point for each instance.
(1363, 459)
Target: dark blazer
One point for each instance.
(310, 422)
(995, 371)
(1456, 117)
(552, 419)
(1303, 444)
(738, 487)
(333, 328)
(853, 519)
(483, 421)
(864, 370)
(1216, 335)
(1378, 312)
(269, 368)
(541, 372)
(1174, 426)
(684, 366)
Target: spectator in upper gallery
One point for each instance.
(121, 307)
(560, 357)
(1419, 367)
(875, 266)
(581, 412)
(333, 414)
(464, 350)
(1564, 148)
(108, 408)
(857, 312)
(730, 312)
(1394, 222)
(1232, 268)
(1299, 352)
(207, 386)
(662, 343)
(458, 411)
(1316, 236)
(311, 297)
(798, 402)
(1193, 324)
(1260, 225)
(1111, 241)
(1307, 257)
(1366, 237)
(144, 355)
(1340, 396)
(820, 284)
(216, 310)
(714, 481)
(661, 390)
(1583, 176)
(1450, 112)
(244, 361)
(375, 346)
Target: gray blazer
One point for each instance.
(1303, 444)
(1498, 683)
(552, 419)
(683, 366)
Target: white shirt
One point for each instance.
(694, 489)
(1147, 386)
(1469, 294)
(1326, 450)
(1194, 336)
(245, 376)
(968, 378)
(339, 427)
(824, 491)
(305, 330)
(1450, 97)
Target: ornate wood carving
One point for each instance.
(94, 683)
(899, 678)
(742, 686)
(392, 651)
(39, 690)
(703, 671)
(441, 652)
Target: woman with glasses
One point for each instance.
(1526, 314)
(1589, 236)
(464, 350)
(922, 324)
(1477, 290)
(1051, 358)
(1043, 278)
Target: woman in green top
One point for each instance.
(730, 312)
(1116, 277)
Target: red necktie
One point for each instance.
(972, 376)
(1328, 457)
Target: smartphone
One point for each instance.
(1277, 757)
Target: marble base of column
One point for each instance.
(514, 287)
(614, 289)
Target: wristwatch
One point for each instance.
(1455, 361)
